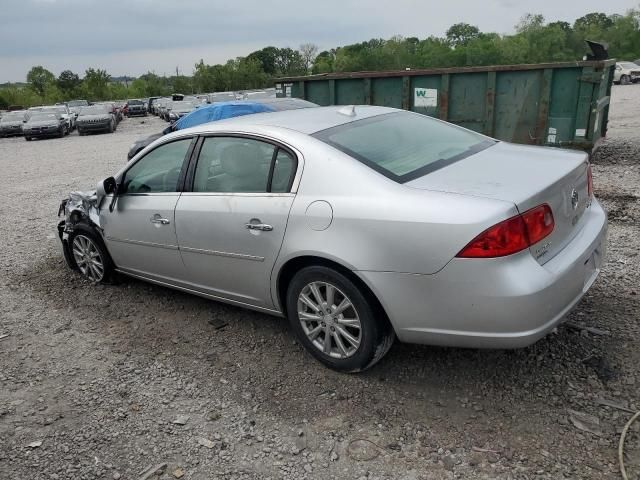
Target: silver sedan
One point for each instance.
(358, 224)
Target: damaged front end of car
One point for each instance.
(78, 208)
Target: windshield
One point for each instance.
(43, 116)
(134, 102)
(629, 65)
(94, 110)
(403, 145)
(12, 117)
(77, 103)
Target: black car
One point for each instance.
(11, 123)
(96, 118)
(44, 124)
(136, 107)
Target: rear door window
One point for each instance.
(242, 165)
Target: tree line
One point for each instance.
(534, 41)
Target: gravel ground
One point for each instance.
(121, 381)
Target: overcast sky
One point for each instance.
(134, 36)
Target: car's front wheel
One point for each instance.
(625, 80)
(89, 255)
(336, 321)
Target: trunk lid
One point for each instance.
(528, 177)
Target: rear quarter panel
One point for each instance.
(378, 224)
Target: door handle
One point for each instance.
(263, 227)
(158, 219)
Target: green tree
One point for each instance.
(149, 85)
(309, 51)
(462, 34)
(268, 58)
(68, 82)
(39, 78)
(181, 84)
(96, 84)
(323, 63)
(289, 62)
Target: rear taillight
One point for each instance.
(512, 235)
(589, 181)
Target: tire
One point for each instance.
(625, 80)
(83, 243)
(80, 132)
(28, 139)
(61, 132)
(373, 337)
(111, 128)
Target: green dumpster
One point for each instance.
(555, 104)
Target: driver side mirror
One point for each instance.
(110, 185)
(106, 187)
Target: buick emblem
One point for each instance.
(574, 199)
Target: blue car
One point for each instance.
(220, 111)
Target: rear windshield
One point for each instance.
(403, 145)
(77, 103)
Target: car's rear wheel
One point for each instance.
(89, 255)
(335, 321)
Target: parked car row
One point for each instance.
(221, 111)
(61, 119)
(172, 108)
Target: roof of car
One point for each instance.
(304, 120)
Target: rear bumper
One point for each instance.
(508, 302)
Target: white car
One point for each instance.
(626, 73)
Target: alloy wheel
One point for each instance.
(329, 320)
(88, 258)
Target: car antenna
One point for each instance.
(349, 111)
